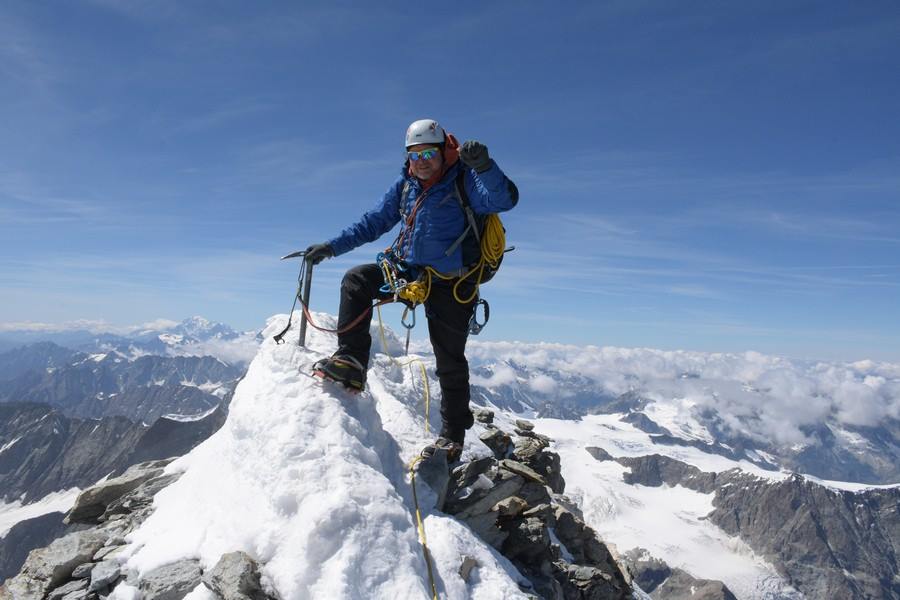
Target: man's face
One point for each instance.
(424, 168)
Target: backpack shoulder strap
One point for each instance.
(466, 207)
(404, 195)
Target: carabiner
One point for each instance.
(474, 326)
(408, 310)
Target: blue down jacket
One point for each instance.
(439, 220)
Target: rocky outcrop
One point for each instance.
(50, 567)
(173, 581)
(235, 577)
(826, 543)
(829, 543)
(662, 582)
(82, 565)
(512, 501)
(94, 502)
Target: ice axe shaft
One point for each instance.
(302, 294)
(304, 298)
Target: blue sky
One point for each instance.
(715, 176)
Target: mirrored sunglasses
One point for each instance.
(423, 154)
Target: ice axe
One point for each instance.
(304, 282)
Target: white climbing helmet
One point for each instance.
(424, 131)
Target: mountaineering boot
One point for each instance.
(450, 440)
(342, 369)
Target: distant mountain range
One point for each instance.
(78, 405)
(184, 369)
(690, 461)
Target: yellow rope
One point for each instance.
(412, 465)
(493, 244)
(409, 364)
(421, 527)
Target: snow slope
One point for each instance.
(311, 481)
(667, 521)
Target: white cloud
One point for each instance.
(543, 384)
(78, 325)
(760, 396)
(502, 375)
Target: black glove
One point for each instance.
(475, 155)
(318, 252)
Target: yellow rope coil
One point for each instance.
(493, 244)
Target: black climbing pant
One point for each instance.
(448, 328)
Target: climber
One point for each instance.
(424, 201)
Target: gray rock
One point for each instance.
(465, 569)
(528, 539)
(92, 502)
(482, 502)
(548, 464)
(599, 453)
(104, 574)
(137, 504)
(171, 582)
(500, 515)
(106, 551)
(580, 540)
(683, 586)
(235, 577)
(497, 440)
(485, 526)
(544, 512)
(116, 540)
(656, 578)
(64, 590)
(523, 424)
(483, 415)
(466, 474)
(527, 448)
(83, 571)
(47, 568)
(434, 472)
(578, 581)
(534, 493)
(655, 470)
(25, 536)
(522, 470)
(648, 572)
(510, 507)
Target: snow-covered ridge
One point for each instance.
(319, 478)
